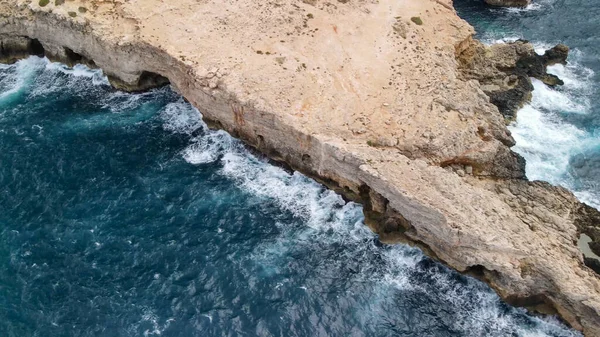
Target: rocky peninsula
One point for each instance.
(385, 101)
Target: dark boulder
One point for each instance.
(557, 54)
(593, 264)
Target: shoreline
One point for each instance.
(475, 223)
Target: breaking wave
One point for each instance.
(391, 270)
(161, 226)
(550, 142)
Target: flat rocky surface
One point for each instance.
(364, 95)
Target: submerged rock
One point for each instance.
(508, 3)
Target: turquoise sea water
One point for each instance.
(123, 215)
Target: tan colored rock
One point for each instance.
(355, 94)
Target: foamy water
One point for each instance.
(330, 220)
(139, 214)
(545, 137)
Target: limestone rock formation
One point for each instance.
(360, 97)
(504, 70)
(508, 3)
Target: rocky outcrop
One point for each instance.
(508, 3)
(504, 70)
(362, 98)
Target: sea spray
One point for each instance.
(128, 216)
(547, 140)
(558, 132)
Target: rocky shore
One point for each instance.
(504, 71)
(385, 102)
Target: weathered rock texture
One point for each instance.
(508, 3)
(355, 94)
(14, 48)
(504, 70)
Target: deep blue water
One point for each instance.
(559, 132)
(122, 215)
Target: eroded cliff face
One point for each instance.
(364, 99)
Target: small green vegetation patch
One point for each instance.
(72, 14)
(59, 2)
(82, 9)
(417, 20)
(44, 2)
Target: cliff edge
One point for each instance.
(366, 96)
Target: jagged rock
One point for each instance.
(508, 3)
(557, 54)
(504, 71)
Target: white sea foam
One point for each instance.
(546, 143)
(181, 117)
(545, 139)
(589, 197)
(496, 38)
(52, 79)
(19, 80)
(330, 220)
(79, 70)
(149, 317)
(535, 5)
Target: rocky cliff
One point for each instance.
(369, 98)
